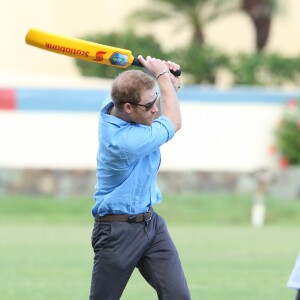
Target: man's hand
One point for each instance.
(153, 65)
(176, 80)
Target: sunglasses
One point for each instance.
(149, 105)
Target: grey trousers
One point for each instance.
(119, 247)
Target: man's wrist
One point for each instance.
(176, 88)
(161, 73)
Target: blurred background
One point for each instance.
(235, 163)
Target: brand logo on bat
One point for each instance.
(99, 55)
(119, 59)
(67, 50)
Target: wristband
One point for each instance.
(163, 72)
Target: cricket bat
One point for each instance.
(85, 50)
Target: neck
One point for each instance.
(119, 114)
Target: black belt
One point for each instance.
(145, 217)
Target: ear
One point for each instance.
(127, 108)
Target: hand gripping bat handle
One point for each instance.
(137, 63)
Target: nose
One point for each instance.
(155, 109)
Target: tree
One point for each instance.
(196, 14)
(260, 12)
(200, 63)
(192, 13)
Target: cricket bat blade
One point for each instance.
(84, 50)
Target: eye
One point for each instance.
(149, 106)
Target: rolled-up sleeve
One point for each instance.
(141, 140)
(163, 120)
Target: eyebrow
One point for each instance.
(149, 105)
(156, 95)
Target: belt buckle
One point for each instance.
(145, 216)
(132, 219)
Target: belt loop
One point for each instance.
(148, 215)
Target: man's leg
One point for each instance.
(298, 295)
(161, 265)
(118, 247)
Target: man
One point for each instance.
(127, 232)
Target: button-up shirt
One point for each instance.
(128, 160)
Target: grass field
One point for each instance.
(46, 254)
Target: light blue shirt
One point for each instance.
(128, 160)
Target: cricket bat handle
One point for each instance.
(137, 63)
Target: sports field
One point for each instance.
(46, 254)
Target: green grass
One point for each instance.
(46, 253)
(177, 209)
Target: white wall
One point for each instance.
(214, 137)
(223, 137)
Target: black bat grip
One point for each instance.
(137, 63)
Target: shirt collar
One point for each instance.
(109, 118)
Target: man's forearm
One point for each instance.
(169, 105)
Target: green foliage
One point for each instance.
(245, 68)
(282, 69)
(263, 69)
(201, 62)
(127, 40)
(288, 133)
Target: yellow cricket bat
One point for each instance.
(82, 49)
